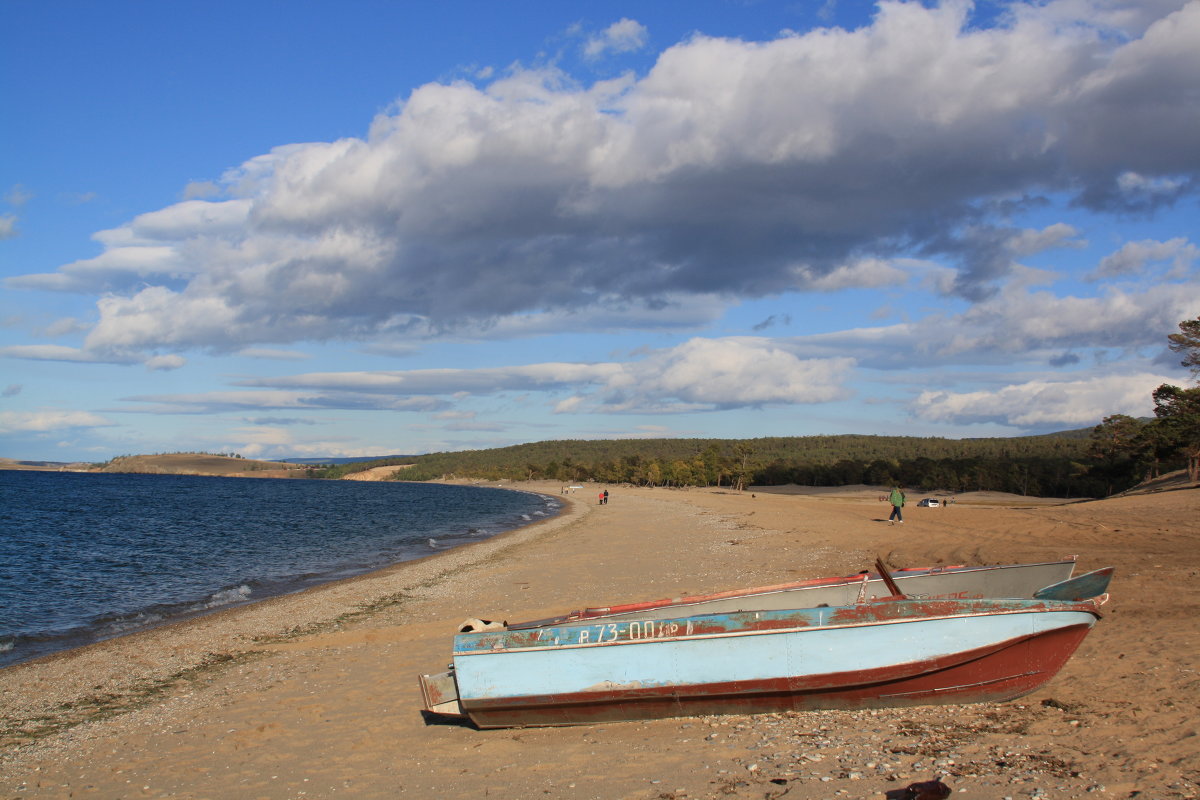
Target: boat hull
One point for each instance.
(887, 653)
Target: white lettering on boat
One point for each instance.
(633, 631)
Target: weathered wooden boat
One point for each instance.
(880, 652)
(928, 583)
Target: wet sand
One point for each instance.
(315, 694)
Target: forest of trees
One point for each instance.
(1033, 465)
(1110, 458)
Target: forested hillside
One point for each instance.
(1031, 465)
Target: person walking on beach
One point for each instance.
(896, 498)
(605, 501)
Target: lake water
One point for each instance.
(85, 557)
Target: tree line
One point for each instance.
(1097, 462)
(1030, 465)
(1125, 450)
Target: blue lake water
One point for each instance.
(85, 557)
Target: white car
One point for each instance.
(929, 502)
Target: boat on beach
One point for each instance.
(876, 651)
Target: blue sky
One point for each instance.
(345, 229)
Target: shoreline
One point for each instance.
(248, 588)
(332, 708)
(204, 640)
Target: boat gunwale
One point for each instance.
(622, 609)
(1089, 606)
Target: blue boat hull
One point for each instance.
(882, 653)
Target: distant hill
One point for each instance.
(45, 466)
(203, 464)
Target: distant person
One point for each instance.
(605, 496)
(896, 498)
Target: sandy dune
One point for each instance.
(376, 473)
(315, 695)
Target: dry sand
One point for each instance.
(315, 695)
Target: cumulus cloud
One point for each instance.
(730, 169)
(624, 36)
(704, 374)
(1044, 403)
(46, 421)
(1134, 256)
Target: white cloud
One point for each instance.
(219, 402)
(715, 174)
(863, 273)
(624, 36)
(269, 442)
(8, 226)
(701, 374)
(65, 326)
(1044, 403)
(49, 420)
(48, 352)
(165, 363)
(1134, 256)
(1016, 324)
(725, 373)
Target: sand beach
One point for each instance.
(314, 695)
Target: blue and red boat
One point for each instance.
(877, 651)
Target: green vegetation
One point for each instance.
(1031, 465)
(1125, 450)
(1111, 457)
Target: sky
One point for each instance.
(333, 229)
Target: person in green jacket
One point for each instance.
(896, 498)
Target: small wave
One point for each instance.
(114, 627)
(7, 644)
(526, 517)
(227, 596)
(433, 543)
(539, 513)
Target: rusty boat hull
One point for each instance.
(885, 652)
